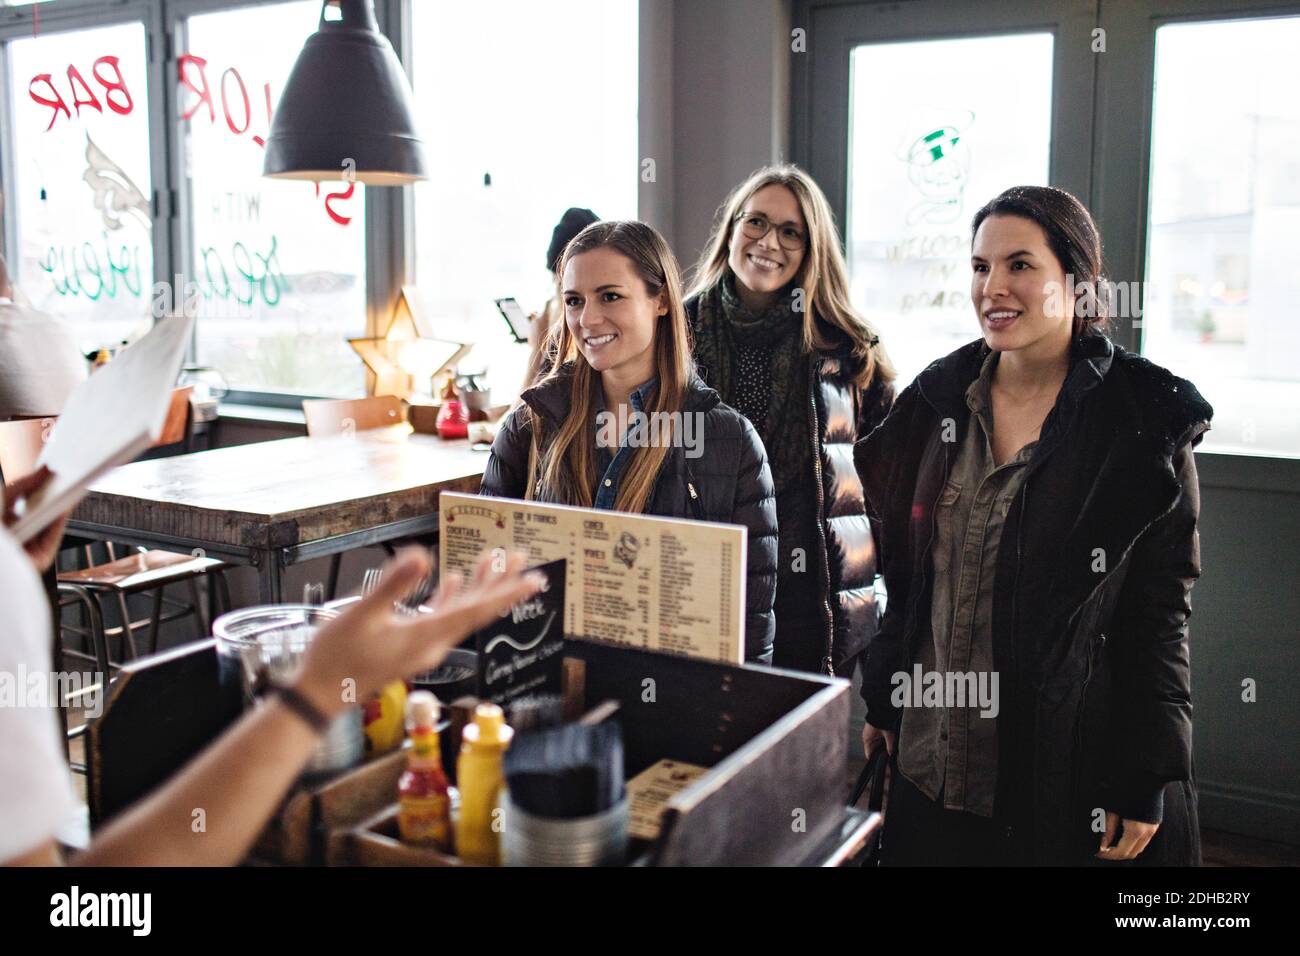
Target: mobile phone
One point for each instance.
(515, 318)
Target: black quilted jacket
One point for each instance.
(730, 483)
(1091, 597)
(840, 414)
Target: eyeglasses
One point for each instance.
(755, 226)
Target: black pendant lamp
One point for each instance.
(347, 98)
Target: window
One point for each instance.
(1223, 232)
(552, 123)
(92, 168)
(1196, 190)
(280, 266)
(81, 191)
(922, 159)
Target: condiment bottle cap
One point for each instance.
(421, 709)
(489, 726)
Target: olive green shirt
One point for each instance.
(946, 748)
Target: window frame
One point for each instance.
(821, 81)
(389, 214)
(61, 16)
(1125, 134)
(1102, 154)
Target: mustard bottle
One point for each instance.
(479, 777)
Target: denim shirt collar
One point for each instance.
(637, 397)
(611, 464)
(550, 398)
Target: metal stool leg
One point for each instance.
(155, 619)
(225, 590)
(331, 590)
(99, 649)
(84, 617)
(129, 652)
(98, 640)
(197, 601)
(210, 580)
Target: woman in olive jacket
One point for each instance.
(623, 343)
(775, 333)
(1075, 458)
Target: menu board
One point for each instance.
(656, 584)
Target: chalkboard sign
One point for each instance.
(522, 653)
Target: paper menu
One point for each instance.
(657, 584)
(649, 791)
(111, 417)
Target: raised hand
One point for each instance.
(371, 644)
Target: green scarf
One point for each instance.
(723, 322)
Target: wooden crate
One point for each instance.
(775, 743)
(298, 834)
(374, 842)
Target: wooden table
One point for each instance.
(273, 504)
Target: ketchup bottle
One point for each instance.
(453, 416)
(423, 797)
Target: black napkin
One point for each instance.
(535, 712)
(566, 772)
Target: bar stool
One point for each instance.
(140, 572)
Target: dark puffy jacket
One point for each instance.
(1091, 595)
(731, 481)
(841, 413)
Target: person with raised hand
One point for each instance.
(243, 776)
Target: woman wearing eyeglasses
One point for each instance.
(776, 335)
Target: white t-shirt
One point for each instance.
(40, 364)
(36, 795)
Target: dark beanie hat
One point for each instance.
(571, 223)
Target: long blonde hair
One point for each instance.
(823, 275)
(562, 467)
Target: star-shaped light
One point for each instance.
(407, 358)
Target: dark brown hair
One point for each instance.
(1073, 238)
